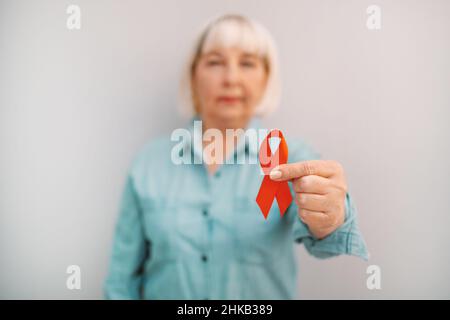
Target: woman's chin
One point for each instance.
(230, 118)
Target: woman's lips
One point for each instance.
(229, 100)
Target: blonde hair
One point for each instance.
(242, 32)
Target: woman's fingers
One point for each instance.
(320, 190)
(311, 184)
(313, 202)
(313, 218)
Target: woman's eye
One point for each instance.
(248, 64)
(214, 62)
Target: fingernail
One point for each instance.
(275, 174)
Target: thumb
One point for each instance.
(295, 170)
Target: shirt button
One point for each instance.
(205, 212)
(204, 258)
(217, 174)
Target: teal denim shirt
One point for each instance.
(185, 234)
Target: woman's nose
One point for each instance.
(232, 75)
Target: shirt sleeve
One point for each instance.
(129, 250)
(347, 239)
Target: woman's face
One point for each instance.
(228, 84)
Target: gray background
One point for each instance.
(75, 106)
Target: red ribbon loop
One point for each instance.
(273, 189)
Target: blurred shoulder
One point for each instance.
(152, 154)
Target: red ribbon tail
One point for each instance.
(284, 197)
(266, 194)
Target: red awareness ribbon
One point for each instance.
(271, 189)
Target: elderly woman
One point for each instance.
(194, 230)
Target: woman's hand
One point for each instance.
(320, 191)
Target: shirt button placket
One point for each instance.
(207, 247)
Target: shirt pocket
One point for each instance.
(160, 227)
(255, 238)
